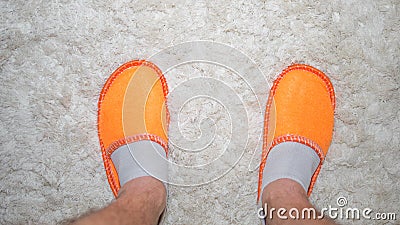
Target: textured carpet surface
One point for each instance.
(56, 55)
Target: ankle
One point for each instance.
(283, 189)
(144, 191)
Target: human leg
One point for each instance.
(132, 122)
(299, 114)
(140, 201)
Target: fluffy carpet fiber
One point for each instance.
(56, 55)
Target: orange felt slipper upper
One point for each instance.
(132, 107)
(300, 108)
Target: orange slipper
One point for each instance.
(132, 107)
(300, 108)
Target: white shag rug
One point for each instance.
(56, 55)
